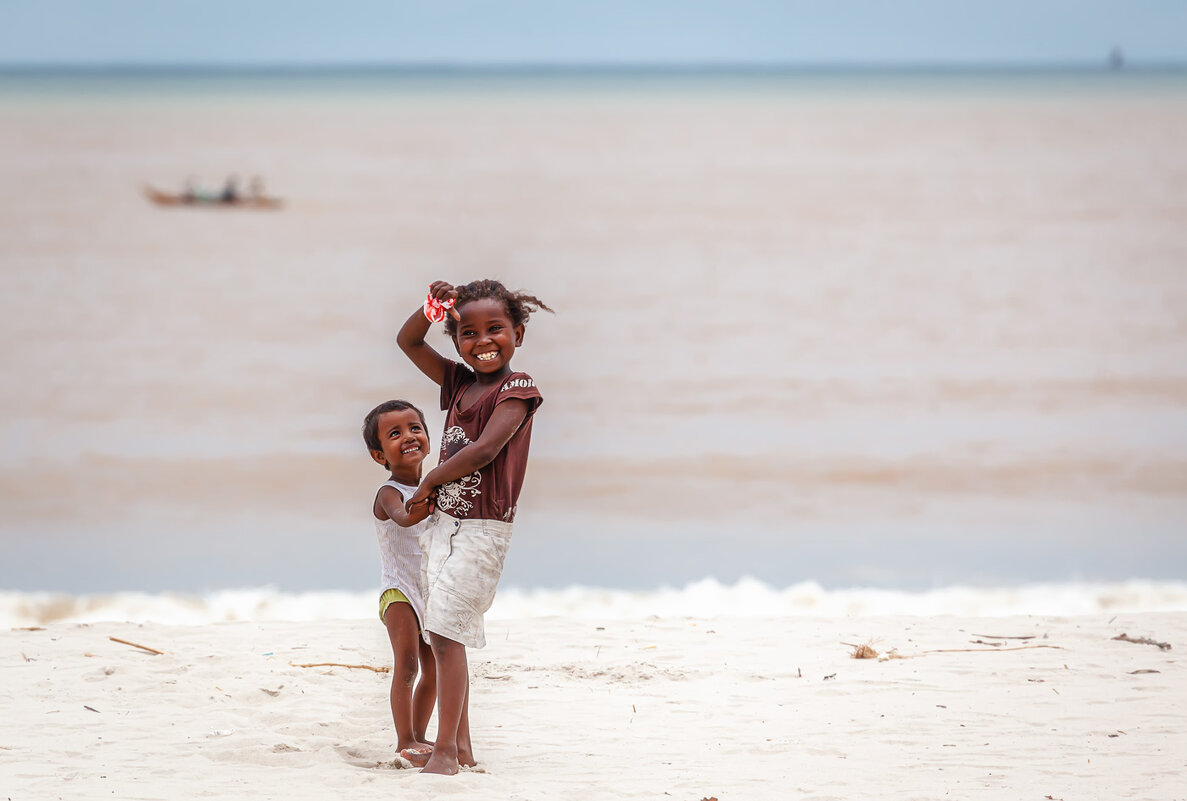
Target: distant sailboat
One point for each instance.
(1116, 59)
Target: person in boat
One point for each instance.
(230, 193)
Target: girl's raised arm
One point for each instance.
(411, 338)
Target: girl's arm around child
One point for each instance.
(504, 422)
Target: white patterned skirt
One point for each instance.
(461, 563)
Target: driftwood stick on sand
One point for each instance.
(1163, 646)
(383, 669)
(136, 645)
(1005, 636)
(988, 650)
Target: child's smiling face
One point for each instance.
(404, 440)
(486, 337)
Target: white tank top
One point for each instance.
(399, 554)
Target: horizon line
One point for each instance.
(590, 67)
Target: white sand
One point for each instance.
(649, 709)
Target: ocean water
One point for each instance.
(908, 333)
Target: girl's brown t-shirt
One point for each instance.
(491, 492)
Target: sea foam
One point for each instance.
(707, 598)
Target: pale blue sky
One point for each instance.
(569, 32)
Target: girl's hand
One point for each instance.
(418, 513)
(423, 496)
(443, 291)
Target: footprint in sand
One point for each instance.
(355, 757)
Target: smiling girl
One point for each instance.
(484, 452)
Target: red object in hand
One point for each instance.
(436, 310)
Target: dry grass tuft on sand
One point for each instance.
(863, 650)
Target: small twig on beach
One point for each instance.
(1005, 636)
(28, 628)
(136, 645)
(894, 654)
(383, 669)
(1162, 646)
(988, 650)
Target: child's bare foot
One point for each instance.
(417, 753)
(465, 751)
(442, 763)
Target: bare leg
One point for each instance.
(465, 751)
(453, 682)
(425, 697)
(402, 632)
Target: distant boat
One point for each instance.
(1116, 59)
(262, 203)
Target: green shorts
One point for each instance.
(389, 597)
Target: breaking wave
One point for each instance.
(707, 598)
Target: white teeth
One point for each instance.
(486, 357)
(413, 449)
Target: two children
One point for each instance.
(474, 489)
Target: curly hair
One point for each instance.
(371, 421)
(519, 304)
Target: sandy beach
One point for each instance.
(727, 708)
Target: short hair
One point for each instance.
(371, 421)
(519, 304)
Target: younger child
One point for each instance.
(484, 454)
(397, 438)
